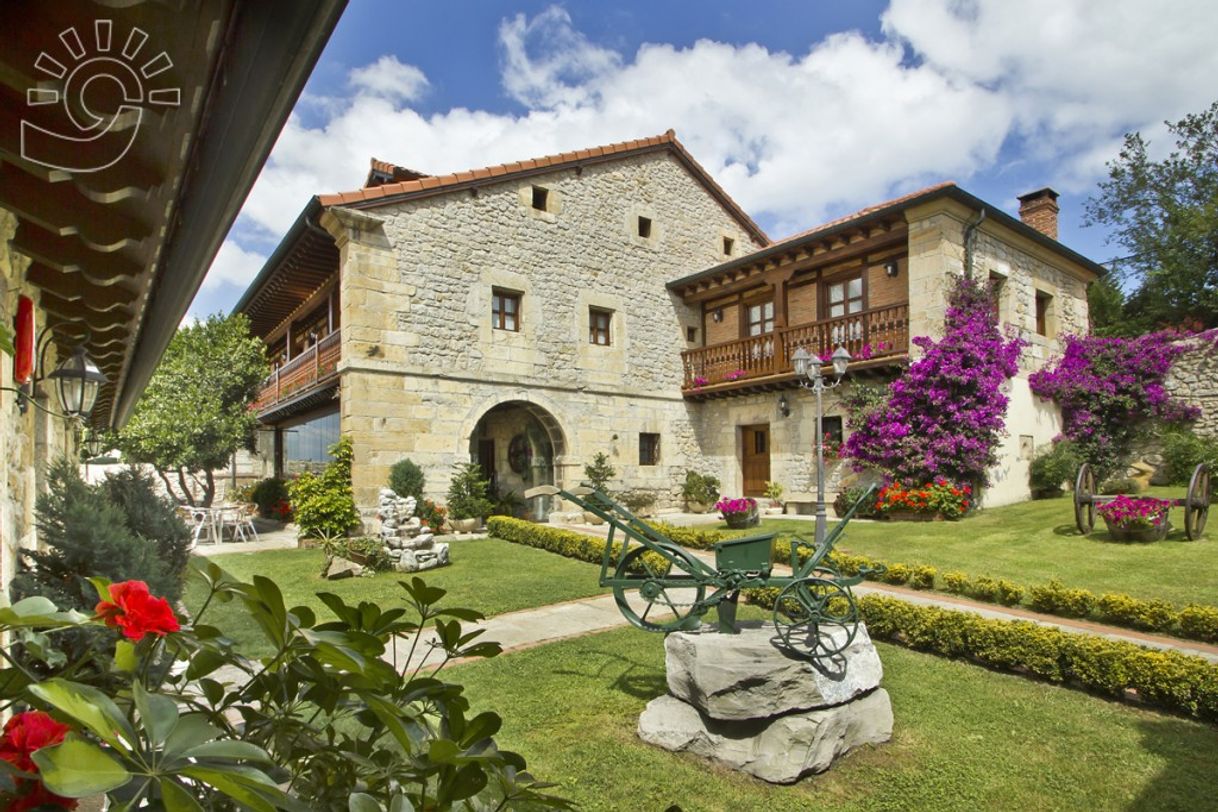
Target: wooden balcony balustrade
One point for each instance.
(317, 363)
(876, 333)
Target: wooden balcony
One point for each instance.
(316, 366)
(876, 337)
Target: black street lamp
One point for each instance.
(807, 372)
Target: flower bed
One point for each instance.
(939, 499)
(1134, 518)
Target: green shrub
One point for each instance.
(1176, 681)
(270, 495)
(151, 517)
(1183, 451)
(467, 493)
(566, 543)
(955, 582)
(702, 488)
(1122, 610)
(1199, 622)
(1051, 468)
(638, 501)
(699, 538)
(983, 588)
(365, 550)
(599, 472)
(1009, 592)
(846, 498)
(406, 479)
(323, 504)
(897, 574)
(923, 577)
(1055, 598)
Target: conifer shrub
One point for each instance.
(406, 479)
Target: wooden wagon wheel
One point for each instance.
(1084, 500)
(659, 597)
(808, 609)
(1197, 503)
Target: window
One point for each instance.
(760, 318)
(998, 284)
(728, 245)
(645, 227)
(759, 440)
(306, 443)
(541, 197)
(846, 297)
(832, 426)
(505, 310)
(691, 334)
(1044, 303)
(598, 325)
(649, 449)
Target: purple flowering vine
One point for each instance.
(944, 416)
(1107, 388)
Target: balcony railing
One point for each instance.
(317, 363)
(876, 333)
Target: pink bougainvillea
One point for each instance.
(1108, 387)
(944, 416)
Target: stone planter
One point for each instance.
(739, 521)
(1138, 533)
(697, 507)
(913, 516)
(592, 518)
(464, 525)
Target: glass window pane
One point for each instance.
(856, 305)
(836, 310)
(509, 304)
(837, 292)
(768, 310)
(856, 288)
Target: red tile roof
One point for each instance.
(861, 213)
(392, 192)
(382, 172)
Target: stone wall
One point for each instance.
(27, 442)
(421, 363)
(1194, 380)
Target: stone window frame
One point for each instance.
(655, 230)
(527, 198)
(1044, 313)
(502, 296)
(728, 244)
(649, 448)
(603, 328)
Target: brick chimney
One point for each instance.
(1039, 210)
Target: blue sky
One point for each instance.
(803, 110)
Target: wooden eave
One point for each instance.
(304, 263)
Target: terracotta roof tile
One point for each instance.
(421, 183)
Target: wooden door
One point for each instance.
(755, 458)
(486, 459)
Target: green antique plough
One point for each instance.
(660, 586)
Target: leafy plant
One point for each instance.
(1055, 598)
(467, 493)
(181, 720)
(923, 577)
(268, 494)
(773, 492)
(638, 501)
(1051, 468)
(701, 488)
(600, 472)
(1183, 451)
(324, 505)
(1119, 485)
(851, 495)
(942, 497)
(406, 479)
(432, 515)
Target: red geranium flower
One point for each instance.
(136, 612)
(24, 734)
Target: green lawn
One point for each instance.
(1034, 541)
(965, 738)
(489, 575)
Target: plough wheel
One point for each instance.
(1197, 503)
(1084, 500)
(809, 609)
(651, 601)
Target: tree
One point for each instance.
(1165, 215)
(196, 412)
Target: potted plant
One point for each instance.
(597, 474)
(700, 491)
(1136, 518)
(639, 501)
(468, 504)
(773, 492)
(933, 501)
(846, 499)
(739, 513)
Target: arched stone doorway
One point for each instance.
(518, 443)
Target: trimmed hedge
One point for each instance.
(566, 543)
(1169, 679)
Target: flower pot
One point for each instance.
(739, 521)
(913, 516)
(465, 525)
(697, 507)
(1138, 533)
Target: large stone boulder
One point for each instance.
(744, 676)
(780, 750)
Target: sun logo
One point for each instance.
(103, 94)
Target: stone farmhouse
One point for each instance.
(616, 299)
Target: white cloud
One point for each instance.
(389, 79)
(234, 265)
(953, 89)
